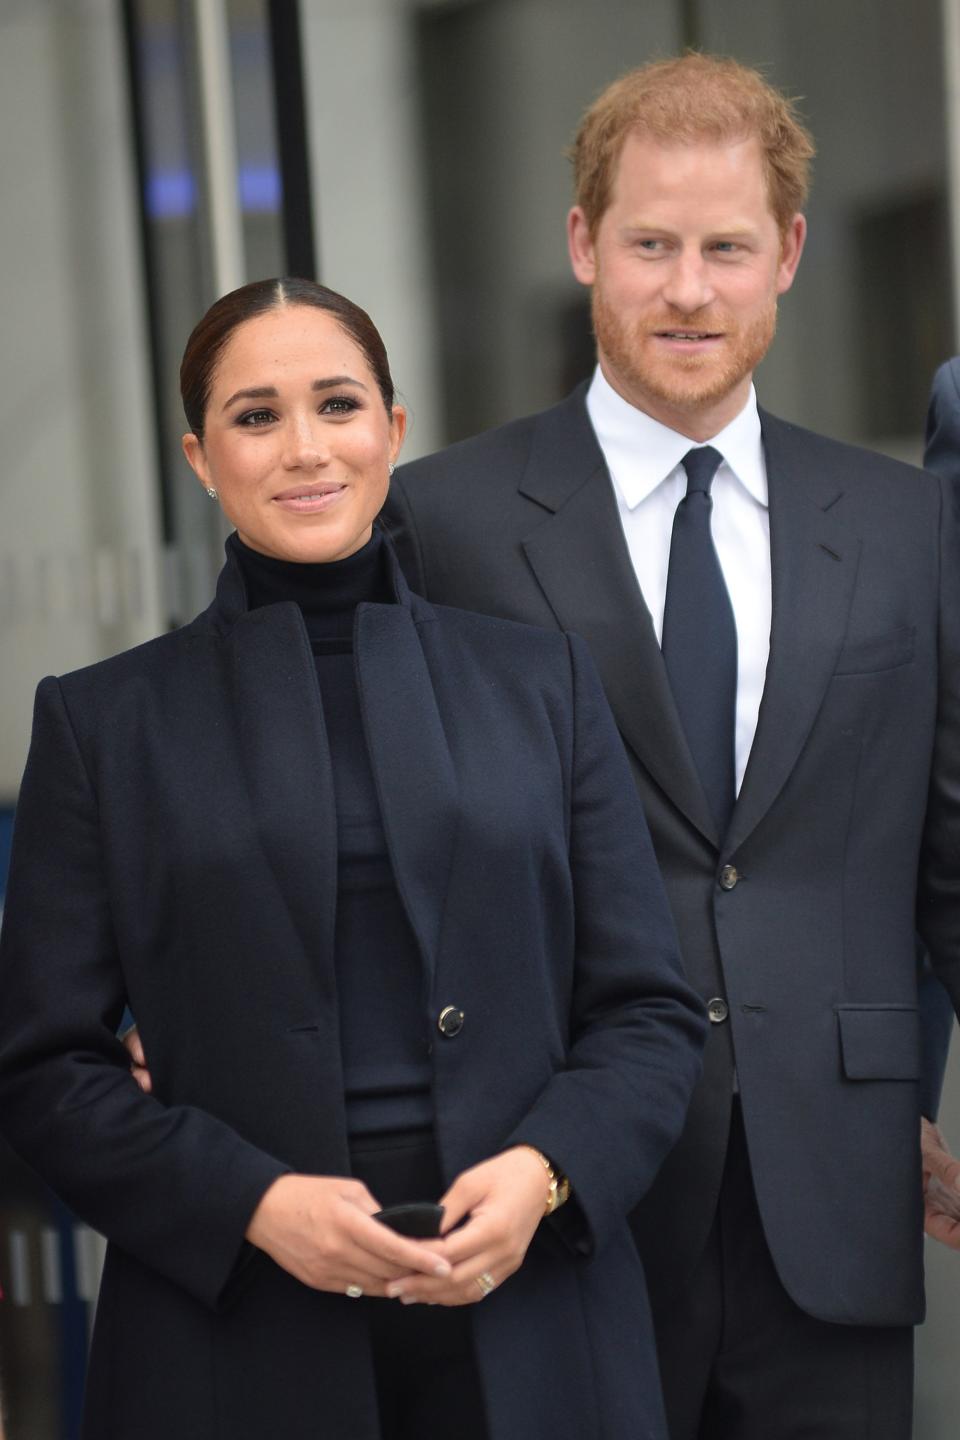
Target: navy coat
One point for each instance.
(175, 849)
(844, 842)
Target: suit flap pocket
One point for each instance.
(880, 1042)
(882, 652)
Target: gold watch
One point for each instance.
(558, 1192)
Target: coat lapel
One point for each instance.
(582, 564)
(286, 758)
(411, 760)
(813, 559)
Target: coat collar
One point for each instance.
(277, 708)
(231, 601)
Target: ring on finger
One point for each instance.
(486, 1283)
(353, 1292)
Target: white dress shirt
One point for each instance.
(649, 482)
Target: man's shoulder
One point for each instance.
(851, 463)
(502, 453)
(946, 383)
(504, 441)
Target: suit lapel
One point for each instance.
(582, 564)
(813, 560)
(411, 761)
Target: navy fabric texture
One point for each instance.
(383, 1033)
(843, 839)
(173, 849)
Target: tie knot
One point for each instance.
(701, 465)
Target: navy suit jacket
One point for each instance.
(846, 831)
(175, 848)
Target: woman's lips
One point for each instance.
(309, 502)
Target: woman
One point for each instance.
(374, 880)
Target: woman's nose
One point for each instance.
(305, 447)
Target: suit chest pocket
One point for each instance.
(880, 652)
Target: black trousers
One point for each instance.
(740, 1361)
(428, 1387)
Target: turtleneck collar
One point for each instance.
(327, 593)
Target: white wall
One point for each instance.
(78, 536)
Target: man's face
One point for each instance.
(686, 266)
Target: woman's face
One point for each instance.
(297, 441)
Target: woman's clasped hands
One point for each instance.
(321, 1230)
(491, 1213)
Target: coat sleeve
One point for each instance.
(609, 1118)
(171, 1185)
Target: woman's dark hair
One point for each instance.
(210, 336)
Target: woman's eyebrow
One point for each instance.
(270, 392)
(331, 381)
(256, 392)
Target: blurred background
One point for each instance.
(156, 153)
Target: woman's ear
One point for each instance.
(398, 428)
(197, 460)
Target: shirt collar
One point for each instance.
(641, 452)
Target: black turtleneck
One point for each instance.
(379, 974)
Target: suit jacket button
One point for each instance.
(450, 1021)
(729, 876)
(718, 1010)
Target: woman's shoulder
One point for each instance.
(164, 655)
(516, 635)
(528, 657)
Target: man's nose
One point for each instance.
(688, 286)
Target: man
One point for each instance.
(796, 741)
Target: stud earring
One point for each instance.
(390, 468)
(211, 492)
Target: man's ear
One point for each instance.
(791, 248)
(580, 245)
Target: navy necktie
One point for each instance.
(700, 637)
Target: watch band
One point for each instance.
(558, 1192)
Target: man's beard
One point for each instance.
(685, 383)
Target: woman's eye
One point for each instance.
(253, 418)
(338, 405)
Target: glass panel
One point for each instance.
(177, 242)
(259, 171)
